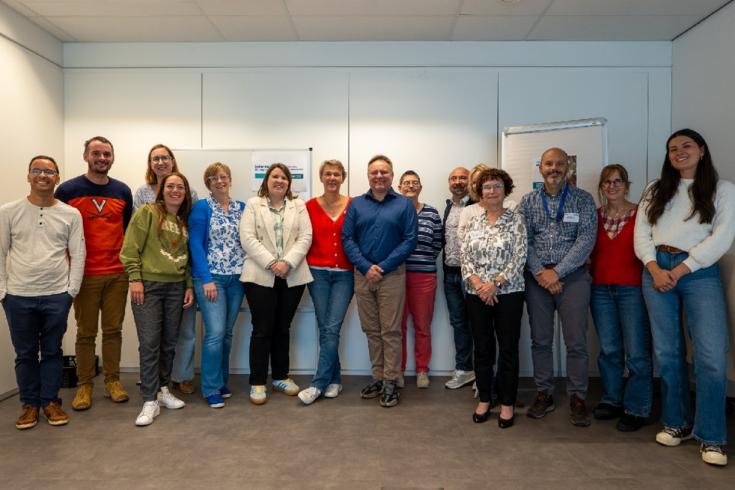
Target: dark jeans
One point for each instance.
(37, 324)
(502, 320)
(272, 310)
(455, 294)
(157, 321)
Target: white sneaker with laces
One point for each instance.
(333, 390)
(168, 400)
(459, 379)
(150, 411)
(713, 454)
(309, 395)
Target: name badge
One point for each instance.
(571, 217)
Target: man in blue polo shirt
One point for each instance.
(378, 234)
(561, 220)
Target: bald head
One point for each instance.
(558, 151)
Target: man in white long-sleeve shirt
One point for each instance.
(41, 268)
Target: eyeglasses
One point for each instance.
(411, 183)
(495, 187)
(215, 178)
(613, 182)
(161, 159)
(45, 171)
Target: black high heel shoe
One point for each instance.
(506, 423)
(480, 418)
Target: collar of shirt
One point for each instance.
(391, 193)
(558, 194)
(462, 202)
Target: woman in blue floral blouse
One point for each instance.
(217, 261)
(493, 256)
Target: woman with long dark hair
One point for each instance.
(686, 223)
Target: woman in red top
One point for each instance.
(618, 309)
(333, 285)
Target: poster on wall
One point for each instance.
(297, 161)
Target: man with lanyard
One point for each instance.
(562, 223)
(453, 289)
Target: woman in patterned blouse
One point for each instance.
(217, 261)
(493, 256)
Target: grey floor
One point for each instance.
(427, 442)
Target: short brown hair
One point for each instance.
(213, 169)
(494, 174)
(381, 157)
(43, 157)
(332, 163)
(263, 191)
(150, 176)
(101, 139)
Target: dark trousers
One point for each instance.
(272, 310)
(502, 320)
(157, 321)
(455, 296)
(37, 324)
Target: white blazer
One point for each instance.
(258, 238)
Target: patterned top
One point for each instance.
(423, 258)
(451, 241)
(225, 255)
(614, 224)
(566, 242)
(278, 226)
(145, 195)
(492, 249)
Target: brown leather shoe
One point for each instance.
(55, 414)
(578, 413)
(28, 419)
(185, 387)
(83, 398)
(114, 391)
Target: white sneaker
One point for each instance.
(713, 454)
(309, 395)
(459, 379)
(333, 390)
(258, 395)
(422, 379)
(168, 400)
(150, 411)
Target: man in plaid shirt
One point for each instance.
(562, 222)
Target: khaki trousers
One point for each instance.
(380, 307)
(107, 294)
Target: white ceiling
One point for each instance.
(365, 20)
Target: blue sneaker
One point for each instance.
(215, 401)
(225, 392)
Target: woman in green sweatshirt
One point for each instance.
(156, 257)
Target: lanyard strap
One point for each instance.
(560, 209)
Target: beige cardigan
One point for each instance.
(258, 238)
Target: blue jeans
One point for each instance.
(622, 327)
(37, 324)
(183, 369)
(219, 318)
(455, 294)
(702, 296)
(331, 292)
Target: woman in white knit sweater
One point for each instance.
(685, 224)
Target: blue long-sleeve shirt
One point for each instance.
(379, 232)
(199, 235)
(567, 241)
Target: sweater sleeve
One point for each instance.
(198, 231)
(709, 250)
(134, 243)
(645, 249)
(77, 254)
(4, 249)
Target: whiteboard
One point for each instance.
(193, 161)
(584, 140)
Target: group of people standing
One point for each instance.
(634, 266)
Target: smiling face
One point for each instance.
(332, 178)
(174, 192)
(219, 184)
(161, 163)
(614, 187)
(43, 176)
(380, 176)
(458, 181)
(493, 192)
(99, 157)
(684, 155)
(410, 186)
(553, 168)
(277, 184)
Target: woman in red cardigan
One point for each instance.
(618, 308)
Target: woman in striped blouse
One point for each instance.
(420, 279)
